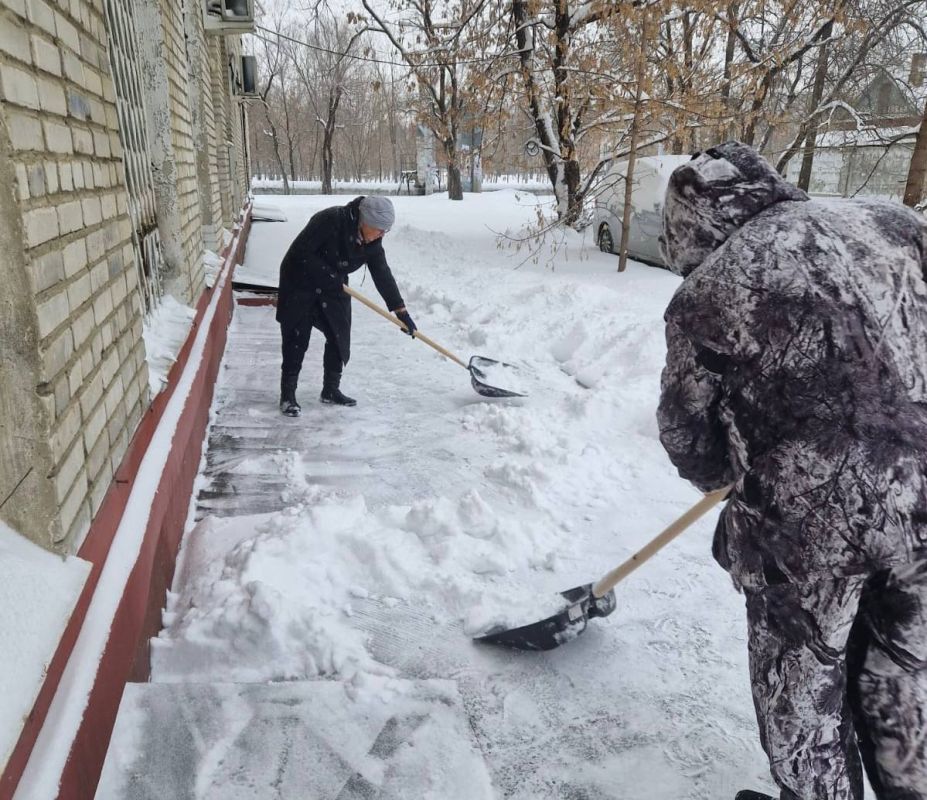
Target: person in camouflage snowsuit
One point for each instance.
(796, 370)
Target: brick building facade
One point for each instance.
(122, 157)
(123, 160)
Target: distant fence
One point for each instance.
(275, 186)
(354, 192)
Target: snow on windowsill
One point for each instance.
(38, 591)
(165, 332)
(212, 264)
(226, 237)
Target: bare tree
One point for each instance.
(578, 81)
(774, 39)
(284, 104)
(731, 12)
(556, 43)
(274, 65)
(390, 82)
(817, 92)
(877, 25)
(439, 40)
(326, 69)
(696, 96)
(635, 134)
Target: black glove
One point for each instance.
(406, 320)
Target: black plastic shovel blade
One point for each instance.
(565, 625)
(485, 372)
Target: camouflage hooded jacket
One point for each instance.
(796, 366)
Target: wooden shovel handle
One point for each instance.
(418, 334)
(650, 549)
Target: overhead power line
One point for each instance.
(345, 54)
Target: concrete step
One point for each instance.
(380, 738)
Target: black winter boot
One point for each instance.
(331, 393)
(288, 405)
(746, 794)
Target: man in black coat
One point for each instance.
(335, 242)
(796, 370)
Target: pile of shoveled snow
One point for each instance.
(269, 597)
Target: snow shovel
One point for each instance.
(480, 368)
(594, 600)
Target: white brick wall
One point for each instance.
(58, 106)
(63, 151)
(19, 88)
(41, 226)
(45, 55)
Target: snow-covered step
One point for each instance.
(373, 738)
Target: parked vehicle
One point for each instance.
(651, 176)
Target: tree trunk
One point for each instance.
(917, 171)
(392, 125)
(688, 28)
(292, 156)
(327, 159)
(632, 156)
(817, 92)
(726, 129)
(397, 152)
(288, 132)
(276, 143)
(566, 123)
(571, 176)
(549, 149)
(329, 134)
(313, 155)
(454, 187)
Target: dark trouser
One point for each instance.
(839, 675)
(295, 338)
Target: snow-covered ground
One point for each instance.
(38, 591)
(405, 524)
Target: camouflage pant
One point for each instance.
(839, 675)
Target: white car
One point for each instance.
(651, 177)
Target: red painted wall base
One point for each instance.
(256, 301)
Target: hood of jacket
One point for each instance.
(714, 194)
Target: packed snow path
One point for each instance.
(295, 740)
(362, 545)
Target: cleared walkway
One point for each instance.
(293, 740)
(354, 542)
(312, 740)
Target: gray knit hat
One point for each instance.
(377, 212)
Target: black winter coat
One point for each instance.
(317, 265)
(797, 366)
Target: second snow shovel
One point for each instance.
(594, 600)
(481, 369)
